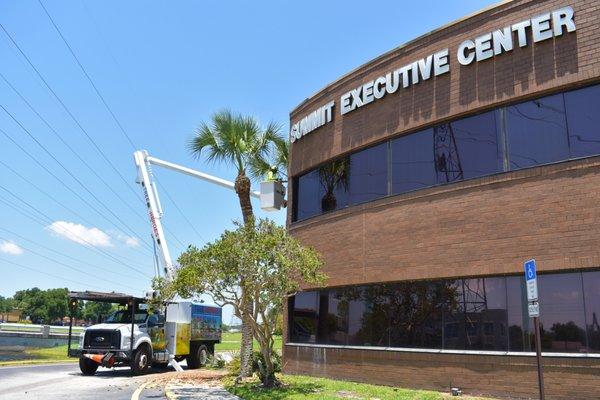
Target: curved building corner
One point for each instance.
(425, 178)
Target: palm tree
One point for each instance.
(240, 141)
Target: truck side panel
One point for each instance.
(206, 322)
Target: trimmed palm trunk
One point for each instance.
(242, 188)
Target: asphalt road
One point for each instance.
(64, 381)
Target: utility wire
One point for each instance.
(49, 153)
(35, 160)
(86, 263)
(51, 275)
(68, 111)
(46, 219)
(98, 176)
(164, 190)
(73, 117)
(87, 273)
(133, 145)
(48, 195)
(112, 114)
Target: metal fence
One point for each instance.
(43, 329)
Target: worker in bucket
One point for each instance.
(273, 174)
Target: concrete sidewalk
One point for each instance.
(207, 391)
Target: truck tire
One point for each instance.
(198, 357)
(142, 358)
(87, 366)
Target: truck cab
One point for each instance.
(176, 331)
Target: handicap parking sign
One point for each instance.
(531, 280)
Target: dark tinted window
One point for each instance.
(591, 289)
(583, 117)
(375, 322)
(303, 323)
(413, 162)
(334, 182)
(454, 317)
(333, 321)
(416, 314)
(486, 314)
(537, 132)
(562, 319)
(368, 174)
(520, 327)
(359, 331)
(467, 148)
(306, 193)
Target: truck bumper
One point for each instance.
(120, 355)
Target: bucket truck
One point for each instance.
(182, 329)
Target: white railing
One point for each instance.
(42, 329)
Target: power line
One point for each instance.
(45, 219)
(36, 187)
(164, 190)
(133, 145)
(49, 274)
(35, 160)
(114, 117)
(49, 153)
(14, 89)
(71, 267)
(64, 254)
(68, 111)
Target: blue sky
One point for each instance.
(162, 67)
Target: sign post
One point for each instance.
(533, 308)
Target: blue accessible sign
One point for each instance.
(531, 280)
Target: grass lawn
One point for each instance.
(231, 341)
(41, 355)
(304, 387)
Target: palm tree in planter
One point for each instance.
(240, 141)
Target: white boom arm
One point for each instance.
(143, 162)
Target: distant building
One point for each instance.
(12, 316)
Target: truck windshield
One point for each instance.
(124, 316)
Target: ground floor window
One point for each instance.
(460, 314)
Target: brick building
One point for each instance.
(425, 178)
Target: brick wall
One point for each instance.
(499, 376)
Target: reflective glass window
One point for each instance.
(583, 117)
(306, 194)
(591, 290)
(486, 314)
(454, 317)
(368, 174)
(413, 162)
(520, 327)
(562, 318)
(334, 183)
(304, 315)
(374, 328)
(360, 317)
(416, 314)
(333, 317)
(537, 132)
(467, 148)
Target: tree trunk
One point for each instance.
(242, 188)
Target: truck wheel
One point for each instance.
(141, 360)
(198, 357)
(87, 366)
